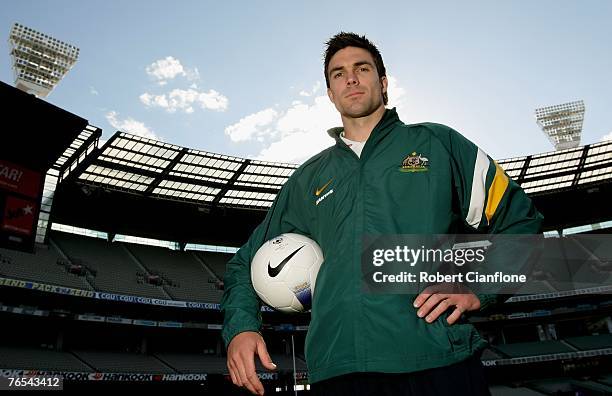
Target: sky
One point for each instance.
(245, 78)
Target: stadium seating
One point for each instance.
(587, 264)
(607, 379)
(119, 268)
(115, 270)
(215, 261)
(567, 345)
(25, 358)
(194, 276)
(183, 269)
(118, 362)
(194, 363)
(522, 349)
(565, 386)
(489, 354)
(585, 387)
(587, 343)
(122, 362)
(552, 386)
(42, 266)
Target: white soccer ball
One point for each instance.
(284, 271)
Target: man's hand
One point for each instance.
(241, 360)
(435, 300)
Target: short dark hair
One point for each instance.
(348, 39)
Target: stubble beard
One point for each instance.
(359, 110)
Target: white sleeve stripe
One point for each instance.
(478, 195)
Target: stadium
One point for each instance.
(135, 303)
(113, 254)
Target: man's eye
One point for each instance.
(337, 74)
(363, 68)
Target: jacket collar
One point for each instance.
(384, 126)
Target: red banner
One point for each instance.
(19, 215)
(19, 179)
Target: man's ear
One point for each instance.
(330, 95)
(385, 83)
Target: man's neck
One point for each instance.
(359, 129)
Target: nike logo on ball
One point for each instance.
(276, 270)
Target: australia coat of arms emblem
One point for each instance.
(415, 163)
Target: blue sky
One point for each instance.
(245, 77)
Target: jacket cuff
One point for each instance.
(240, 322)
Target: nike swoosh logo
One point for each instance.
(320, 190)
(276, 270)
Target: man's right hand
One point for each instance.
(241, 360)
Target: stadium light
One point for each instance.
(39, 61)
(562, 123)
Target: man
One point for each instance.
(361, 343)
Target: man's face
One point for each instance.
(354, 86)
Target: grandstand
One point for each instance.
(102, 307)
(126, 268)
(46, 263)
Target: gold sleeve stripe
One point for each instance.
(496, 191)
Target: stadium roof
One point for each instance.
(562, 170)
(155, 169)
(138, 186)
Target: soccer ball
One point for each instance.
(284, 271)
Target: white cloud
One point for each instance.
(607, 137)
(255, 126)
(154, 100)
(315, 88)
(397, 95)
(181, 99)
(303, 131)
(290, 135)
(130, 125)
(93, 91)
(298, 132)
(165, 69)
(192, 74)
(213, 100)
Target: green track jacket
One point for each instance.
(411, 179)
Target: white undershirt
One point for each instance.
(357, 147)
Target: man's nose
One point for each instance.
(351, 79)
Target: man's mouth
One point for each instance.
(354, 94)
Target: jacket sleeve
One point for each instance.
(490, 201)
(240, 304)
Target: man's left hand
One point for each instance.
(434, 301)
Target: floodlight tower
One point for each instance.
(562, 123)
(39, 61)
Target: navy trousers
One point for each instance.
(463, 378)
